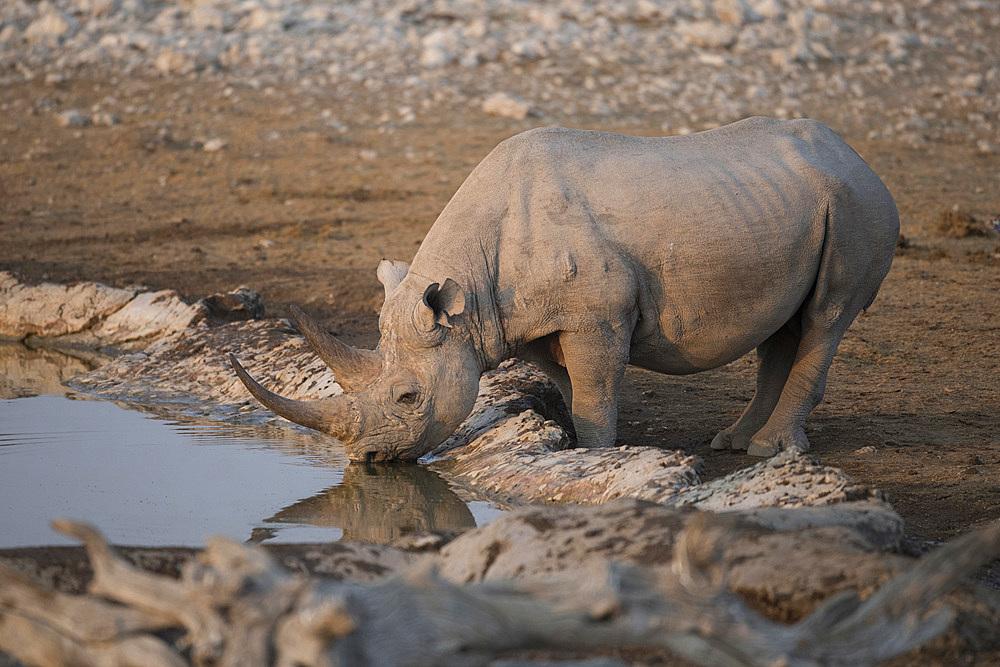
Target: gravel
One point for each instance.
(918, 70)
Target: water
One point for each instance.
(145, 480)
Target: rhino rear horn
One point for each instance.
(354, 369)
(329, 415)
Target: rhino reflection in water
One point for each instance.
(379, 503)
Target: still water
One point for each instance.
(144, 480)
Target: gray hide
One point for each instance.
(586, 251)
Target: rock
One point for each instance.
(171, 61)
(54, 310)
(440, 48)
(534, 542)
(984, 147)
(709, 34)
(262, 18)
(736, 12)
(214, 145)
(96, 8)
(767, 9)
(206, 17)
(192, 366)
(72, 118)
(105, 119)
(787, 568)
(241, 304)
(789, 479)
(506, 106)
(149, 315)
(49, 26)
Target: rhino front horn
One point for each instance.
(354, 369)
(333, 416)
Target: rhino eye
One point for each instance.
(409, 398)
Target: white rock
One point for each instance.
(149, 315)
(261, 18)
(205, 17)
(71, 118)
(768, 9)
(106, 119)
(507, 106)
(708, 34)
(439, 48)
(736, 12)
(214, 145)
(170, 61)
(49, 26)
(54, 310)
(96, 7)
(987, 148)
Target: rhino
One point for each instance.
(585, 251)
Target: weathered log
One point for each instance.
(236, 605)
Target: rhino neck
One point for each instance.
(483, 320)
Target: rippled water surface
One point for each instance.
(144, 480)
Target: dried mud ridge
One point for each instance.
(782, 536)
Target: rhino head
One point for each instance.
(410, 393)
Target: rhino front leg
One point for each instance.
(775, 356)
(595, 362)
(547, 355)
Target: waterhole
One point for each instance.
(147, 480)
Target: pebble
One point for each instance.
(105, 119)
(506, 106)
(72, 118)
(214, 145)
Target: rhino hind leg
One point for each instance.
(824, 323)
(775, 356)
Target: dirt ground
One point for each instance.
(302, 212)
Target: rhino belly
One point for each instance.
(696, 322)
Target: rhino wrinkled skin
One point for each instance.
(585, 251)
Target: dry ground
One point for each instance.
(302, 212)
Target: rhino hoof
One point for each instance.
(763, 450)
(721, 440)
(740, 441)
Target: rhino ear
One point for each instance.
(439, 305)
(390, 273)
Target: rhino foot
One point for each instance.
(765, 445)
(728, 439)
(722, 440)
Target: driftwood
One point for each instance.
(234, 604)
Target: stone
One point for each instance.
(214, 145)
(506, 106)
(49, 26)
(72, 118)
(736, 12)
(106, 119)
(709, 34)
(242, 304)
(206, 17)
(171, 61)
(49, 310)
(96, 8)
(149, 315)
